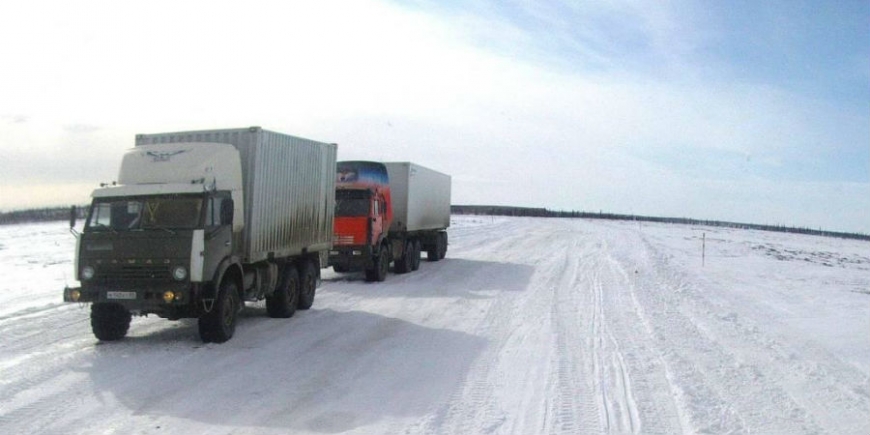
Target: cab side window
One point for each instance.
(213, 212)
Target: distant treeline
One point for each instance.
(62, 213)
(40, 215)
(543, 212)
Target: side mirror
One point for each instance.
(73, 214)
(227, 211)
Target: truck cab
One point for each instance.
(162, 245)
(363, 215)
(151, 247)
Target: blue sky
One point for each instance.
(813, 50)
(739, 110)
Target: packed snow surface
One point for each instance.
(530, 326)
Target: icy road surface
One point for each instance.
(530, 326)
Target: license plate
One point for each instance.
(120, 295)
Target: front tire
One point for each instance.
(110, 321)
(379, 270)
(282, 304)
(219, 324)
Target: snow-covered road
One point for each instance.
(529, 326)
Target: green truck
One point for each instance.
(199, 222)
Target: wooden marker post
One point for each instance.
(703, 249)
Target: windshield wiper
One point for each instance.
(101, 226)
(160, 227)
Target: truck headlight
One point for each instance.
(179, 273)
(87, 273)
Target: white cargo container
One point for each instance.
(421, 197)
(202, 221)
(288, 184)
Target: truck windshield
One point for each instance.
(164, 212)
(350, 203)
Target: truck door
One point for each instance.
(218, 243)
(378, 218)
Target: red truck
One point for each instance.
(388, 212)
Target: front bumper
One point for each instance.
(351, 257)
(175, 300)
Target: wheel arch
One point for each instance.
(229, 268)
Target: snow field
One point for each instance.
(547, 326)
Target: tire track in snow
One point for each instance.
(540, 342)
(717, 391)
(618, 402)
(25, 345)
(500, 391)
(701, 407)
(609, 378)
(595, 391)
(644, 373)
(575, 407)
(812, 386)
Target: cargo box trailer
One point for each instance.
(420, 197)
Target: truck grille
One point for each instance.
(343, 240)
(134, 272)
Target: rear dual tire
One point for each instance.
(283, 302)
(438, 250)
(403, 263)
(308, 284)
(410, 260)
(415, 255)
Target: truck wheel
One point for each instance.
(415, 255)
(219, 324)
(282, 304)
(109, 321)
(403, 263)
(438, 250)
(434, 250)
(380, 269)
(340, 269)
(308, 281)
(443, 251)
